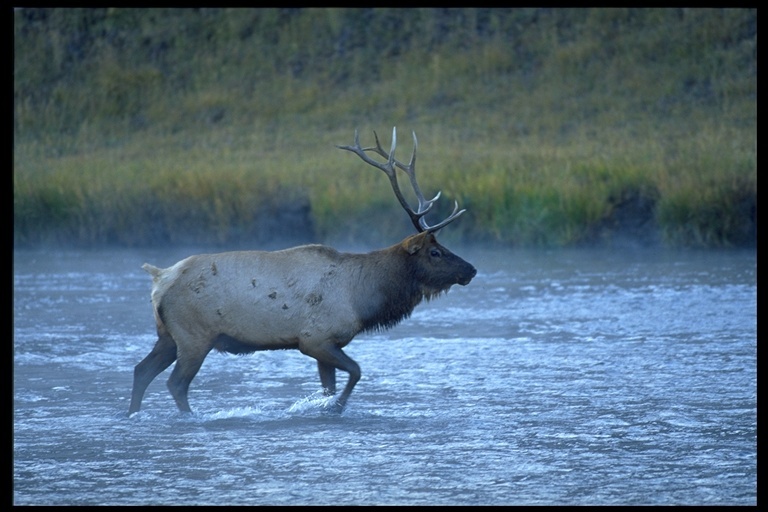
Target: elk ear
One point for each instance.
(414, 243)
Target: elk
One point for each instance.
(311, 297)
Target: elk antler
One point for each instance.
(417, 217)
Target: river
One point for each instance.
(567, 377)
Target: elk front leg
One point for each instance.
(327, 378)
(329, 358)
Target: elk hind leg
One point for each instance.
(187, 366)
(160, 358)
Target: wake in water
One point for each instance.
(315, 403)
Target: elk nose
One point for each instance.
(464, 280)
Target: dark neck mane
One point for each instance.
(387, 287)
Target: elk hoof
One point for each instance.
(333, 407)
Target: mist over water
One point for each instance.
(567, 377)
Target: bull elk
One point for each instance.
(312, 297)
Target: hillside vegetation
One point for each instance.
(553, 127)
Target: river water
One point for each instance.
(570, 377)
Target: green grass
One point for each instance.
(136, 126)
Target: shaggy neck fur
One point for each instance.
(391, 289)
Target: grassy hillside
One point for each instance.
(553, 127)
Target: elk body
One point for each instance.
(311, 298)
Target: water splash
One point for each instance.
(317, 401)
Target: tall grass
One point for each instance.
(138, 126)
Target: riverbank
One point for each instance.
(553, 127)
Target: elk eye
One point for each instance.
(435, 253)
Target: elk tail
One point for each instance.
(152, 270)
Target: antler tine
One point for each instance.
(425, 205)
(410, 169)
(453, 216)
(388, 168)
